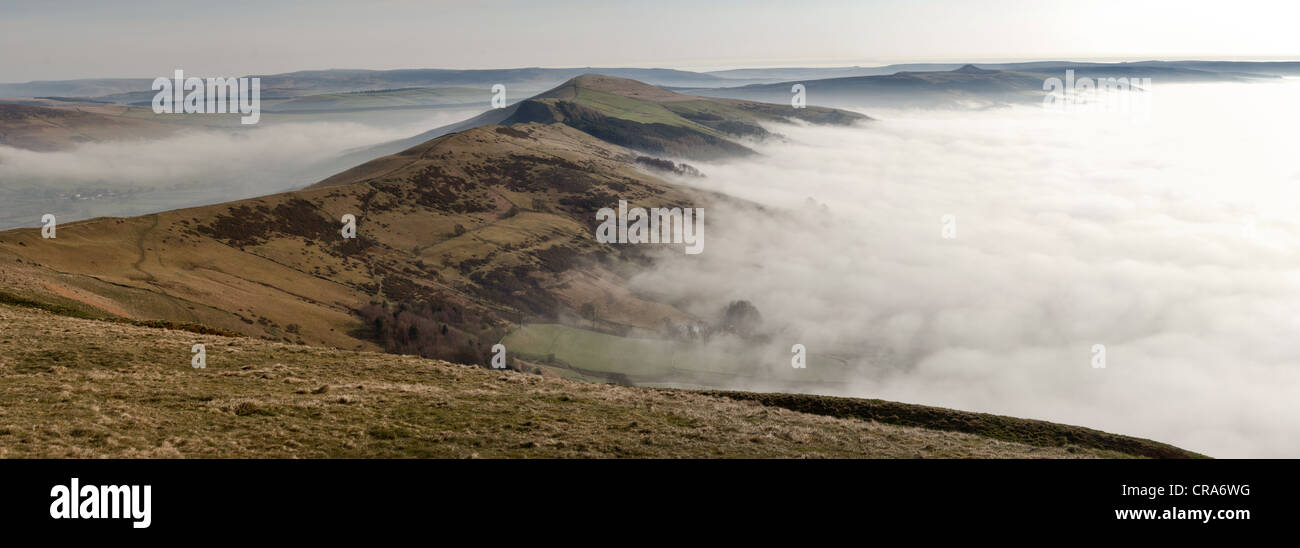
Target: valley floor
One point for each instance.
(85, 389)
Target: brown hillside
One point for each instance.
(459, 237)
(46, 129)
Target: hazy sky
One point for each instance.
(80, 39)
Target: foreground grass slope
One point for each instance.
(83, 388)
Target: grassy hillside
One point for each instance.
(457, 239)
(82, 388)
(1032, 432)
(662, 122)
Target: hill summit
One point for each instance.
(972, 69)
(623, 87)
(658, 121)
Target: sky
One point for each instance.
(41, 40)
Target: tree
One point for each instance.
(741, 318)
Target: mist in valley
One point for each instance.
(197, 166)
(1167, 236)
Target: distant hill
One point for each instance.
(961, 87)
(975, 85)
(787, 74)
(523, 78)
(1261, 68)
(524, 81)
(98, 87)
(314, 82)
(42, 128)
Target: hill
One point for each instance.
(523, 81)
(461, 239)
(1175, 70)
(459, 235)
(969, 85)
(313, 82)
(962, 86)
(642, 117)
(103, 390)
(659, 121)
(91, 87)
(43, 128)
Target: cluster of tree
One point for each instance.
(669, 165)
(738, 318)
(432, 330)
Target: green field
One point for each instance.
(582, 353)
(636, 110)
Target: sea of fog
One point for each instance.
(1167, 236)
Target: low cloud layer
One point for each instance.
(1170, 240)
